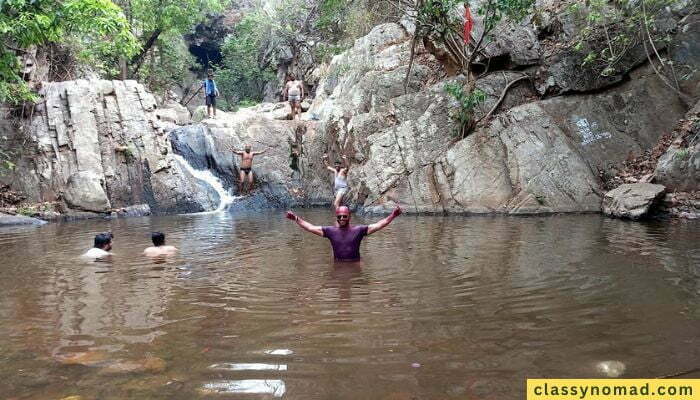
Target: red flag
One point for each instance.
(468, 24)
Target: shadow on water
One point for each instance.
(458, 307)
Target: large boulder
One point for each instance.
(679, 168)
(102, 145)
(84, 191)
(7, 219)
(632, 200)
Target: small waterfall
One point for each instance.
(225, 198)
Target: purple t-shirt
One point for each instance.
(345, 241)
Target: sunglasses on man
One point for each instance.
(339, 217)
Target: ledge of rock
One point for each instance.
(632, 200)
(7, 220)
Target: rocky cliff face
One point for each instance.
(543, 148)
(95, 146)
(536, 155)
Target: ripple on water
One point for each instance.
(251, 306)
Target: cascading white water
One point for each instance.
(225, 198)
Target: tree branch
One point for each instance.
(500, 99)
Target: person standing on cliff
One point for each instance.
(210, 94)
(294, 93)
(340, 184)
(345, 238)
(246, 168)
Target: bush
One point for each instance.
(467, 103)
(240, 77)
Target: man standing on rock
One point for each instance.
(340, 184)
(294, 93)
(210, 94)
(345, 238)
(246, 168)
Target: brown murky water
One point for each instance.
(442, 308)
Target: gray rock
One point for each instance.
(84, 191)
(138, 210)
(679, 168)
(632, 200)
(7, 220)
(109, 134)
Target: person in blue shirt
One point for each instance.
(210, 94)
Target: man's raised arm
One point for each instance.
(239, 152)
(384, 222)
(255, 153)
(316, 230)
(328, 166)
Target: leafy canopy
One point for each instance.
(24, 23)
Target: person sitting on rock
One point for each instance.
(294, 93)
(102, 246)
(246, 168)
(345, 238)
(210, 94)
(340, 185)
(159, 249)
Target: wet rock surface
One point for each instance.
(8, 220)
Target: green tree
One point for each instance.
(440, 21)
(25, 23)
(240, 77)
(152, 19)
(613, 32)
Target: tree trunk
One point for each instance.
(137, 61)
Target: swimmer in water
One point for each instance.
(159, 248)
(345, 238)
(340, 184)
(246, 168)
(102, 246)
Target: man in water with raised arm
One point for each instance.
(294, 92)
(345, 238)
(159, 248)
(246, 168)
(340, 184)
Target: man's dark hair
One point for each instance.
(103, 239)
(337, 162)
(158, 238)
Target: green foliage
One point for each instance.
(440, 16)
(325, 51)
(681, 154)
(612, 30)
(441, 21)
(331, 14)
(240, 77)
(167, 64)
(24, 23)
(342, 21)
(467, 103)
(247, 103)
(167, 16)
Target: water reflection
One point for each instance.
(251, 305)
(275, 387)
